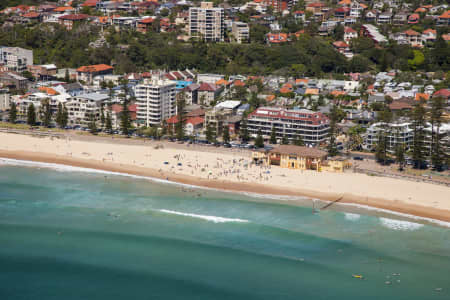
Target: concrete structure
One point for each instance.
(4, 99)
(83, 107)
(207, 22)
(396, 134)
(241, 32)
(15, 58)
(155, 101)
(87, 73)
(312, 127)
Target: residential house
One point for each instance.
(87, 73)
(413, 19)
(191, 93)
(276, 38)
(349, 34)
(145, 25)
(44, 72)
(192, 125)
(372, 32)
(371, 16)
(69, 21)
(444, 19)
(115, 112)
(208, 93)
(299, 15)
(13, 80)
(400, 18)
(429, 36)
(384, 18)
(413, 38)
(343, 48)
(340, 13)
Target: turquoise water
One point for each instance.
(79, 235)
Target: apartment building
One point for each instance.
(396, 134)
(207, 22)
(4, 99)
(155, 100)
(83, 107)
(15, 58)
(312, 127)
(241, 32)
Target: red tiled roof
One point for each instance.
(411, 32)
(63, 8)
(349, 29)
(195, 121)
(340, 44)
(75, 17)
(147, 20)
(422, 96)
(31, 15)
(445, 15)
(314, 117)
(89, 3)
(277, 37)
(94, 68)
(299, 12)
(238, 83)
(207, 87)
(442, 93)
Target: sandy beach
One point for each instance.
(229, 170)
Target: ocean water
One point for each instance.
(70, 234)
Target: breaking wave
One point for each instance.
(214, 219)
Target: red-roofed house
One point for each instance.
(349, 33)
(444, 93)
(193, 125)
(89, 3)
(145, 25)
(299, 15)
(344, 48)
(208, 92)
(412, 37)
(413, 19)
(341, 12)
(87, 73)
(116, 111)
(69, 21)
(444, 19)
(429, 35)
(421, 96)
(276, 38)
(31, 16)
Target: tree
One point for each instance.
(12, 112)
(226, 134)
(273, 136)
(108, 123)
(59, 115)
(259, 141)
(380, 150)
(436, 118)
(125, 120)
(332, 146)
(298, 141)
(92, 124)
(46, 113)
(284, 140)
(400, 156)
(418, 126)
(210, 133)
(31, 115)
(244, 131)
(65, 116)
(102, 114)
(181, 116)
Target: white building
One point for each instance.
(207, 22)
(241, 32)
(15, 58)
(4, 99)
(82, 108)
(396, 134)
(155, 101)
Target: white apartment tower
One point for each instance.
(207, 22)
(155, 101)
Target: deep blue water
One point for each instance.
(79, 235)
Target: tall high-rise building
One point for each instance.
(155, 101)
(206, 22)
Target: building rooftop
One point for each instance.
(299, 151)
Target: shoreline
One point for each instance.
(424, 212)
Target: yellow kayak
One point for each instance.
(357, 276)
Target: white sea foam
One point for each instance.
(400, 225)
(394, 213)
(352, 217)
(214, 219)
(67, 168)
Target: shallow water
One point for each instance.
(81, 235)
